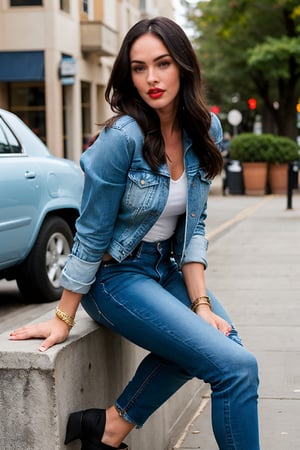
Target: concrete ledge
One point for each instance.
(39, 390)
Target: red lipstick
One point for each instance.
(155, 93)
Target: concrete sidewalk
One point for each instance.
(254, 268)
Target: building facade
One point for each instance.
(55, 60)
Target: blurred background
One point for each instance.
(56, 56)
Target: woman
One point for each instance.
(139, 254)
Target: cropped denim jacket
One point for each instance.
(123, 198)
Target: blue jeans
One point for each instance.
(144, 299)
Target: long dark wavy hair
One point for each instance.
(192, 114)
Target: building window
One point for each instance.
(65, 120)
(143, 5)
(26, 2)
(65, 5)
(86, 112)
(27, 100)
(85, 6)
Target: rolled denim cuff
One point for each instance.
(83, 274)
(196, 251)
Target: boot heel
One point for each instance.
(73, 427)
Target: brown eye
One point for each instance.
(164, 64)
(138, 69)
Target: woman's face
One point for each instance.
(154, 73)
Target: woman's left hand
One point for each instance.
(53, 331)
(213, 319)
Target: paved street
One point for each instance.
(13, 311)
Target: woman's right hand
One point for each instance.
(213, 319)
(54, 331)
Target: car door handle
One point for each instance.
(29, 174)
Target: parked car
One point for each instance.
(39, 202)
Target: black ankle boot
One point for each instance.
(88, 426)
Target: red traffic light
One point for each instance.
(215, 109)
(252, 103)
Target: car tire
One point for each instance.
(38, 277)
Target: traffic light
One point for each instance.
(298, 106)
(252, 103)
(215, 109)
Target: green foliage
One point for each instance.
(249, 147)
(251, 48)
(284, 150)
(275, 54)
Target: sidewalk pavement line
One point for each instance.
(204, 402)
(240, 216)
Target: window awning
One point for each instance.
(22, 66)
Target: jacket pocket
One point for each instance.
(141, 190)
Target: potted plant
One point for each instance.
(281, 154)
(252, 151)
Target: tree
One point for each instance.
(253, 48)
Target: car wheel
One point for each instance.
(39, 276)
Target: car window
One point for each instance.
(4, 147)
(8, 141)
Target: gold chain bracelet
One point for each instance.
(69, 320)
(202, 300)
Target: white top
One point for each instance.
(165, 226)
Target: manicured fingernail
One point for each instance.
(42, 349)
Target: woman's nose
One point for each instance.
(152, 76)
